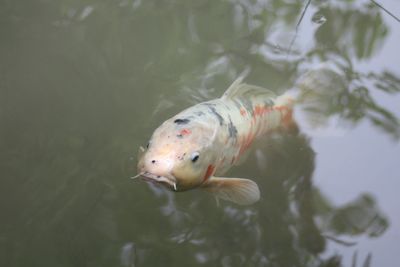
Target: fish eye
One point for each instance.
(195, 156)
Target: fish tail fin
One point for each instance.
(286, 100)
(318, 91)
(238, 190)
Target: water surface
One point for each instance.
(84, 83)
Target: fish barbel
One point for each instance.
(198, 145)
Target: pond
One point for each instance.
(83, 84)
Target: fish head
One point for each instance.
(178, 156)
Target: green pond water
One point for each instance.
(84, 83)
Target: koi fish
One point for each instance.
(194, 148)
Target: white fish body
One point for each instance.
(198, 145)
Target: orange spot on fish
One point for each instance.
(243, 112)
(287, 122)
(280, 108)
(286, 114)
(287, 118)
(257, 127)
(209, 172)
(185, 132)
(259, 110)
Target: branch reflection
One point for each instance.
(79, 80)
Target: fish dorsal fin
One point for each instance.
(238, 190)
(239, 89)
(232, 90)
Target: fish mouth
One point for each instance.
(166, 181)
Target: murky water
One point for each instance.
(84, 83)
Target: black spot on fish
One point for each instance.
(181, 121)
(247, 105)
(269, 102)
(232, 129)
(216, 114)
(179, 136)
(199, 113)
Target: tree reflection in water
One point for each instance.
(79, 82)
(291, 226)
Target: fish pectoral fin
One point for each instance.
(238, 190)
